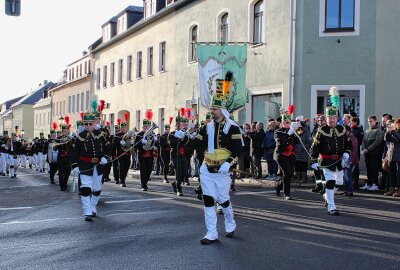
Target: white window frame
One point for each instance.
(356, 31)
(139, 65)
(218, 24)
(161, 67)
(189, 54)
(360, 88)
(150, 62)
(251, 22)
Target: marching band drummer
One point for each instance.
(88, 155)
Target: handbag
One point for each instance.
(385, 165)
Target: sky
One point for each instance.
(49, 35)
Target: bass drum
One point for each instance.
(51, 154)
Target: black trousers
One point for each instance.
(124, 165)
(257, 169)
(146, 166)
(373, 164)
(166, 159)
(286, 165)
(115, 165)
(181, 172)
(107, 170)
(64, 170)
(53, 170)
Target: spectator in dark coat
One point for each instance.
(245, 157)
(358, 131)
(301, 163)
(269, 145)
(257, 138)
(392, 138)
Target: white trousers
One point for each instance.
(14, 163)
(4, 162)
(23, 160)
(93, 182)
(31, 160)
(216, 185)
(329, 195)
(39, 161)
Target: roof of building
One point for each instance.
(8, 103)
(131, 9)
(43, 102)
(142, 23)
(34, 96)
(112, 20)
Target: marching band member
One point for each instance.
(222, 139)
(14, 151)
(63, 145)
(166, 149)
(40, 147)
(331, 146)
(115, 163)
(145, 145)
(124, 157)
(88, 155)
(4, 152)
(51, 152)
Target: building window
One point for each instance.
(48, 118)
(85, 67)
(80, 70)
(73, 104)
(77, 102)
(98, 79)
(224, 28)
(87, 100)
(63, 107)
(339, 15)
(112, 69)
(129, 68)
(69, 74)
(88, 66)
(150, 61)
(138, 119)
(139, 65)
(69, 104)
(104, 76)
(192, 45)
(258, 22)
(120, 70)
(73, 73)
(82, 101)
(162, 56)
(56, 108)
(265, 107)
(77, 71)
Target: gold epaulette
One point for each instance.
(236, 137)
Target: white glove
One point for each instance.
(75, 171)
(290, 131)
(97, 126)
(6, 148)
(103, 161)
(224, 168)
(179, 134)
(155, 138)
(144, 141)
(314, 166)
(346, 156)
(3, 145)
(122, 142)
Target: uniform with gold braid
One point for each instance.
(64, 145)
(223, 143)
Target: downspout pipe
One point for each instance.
(291, 54)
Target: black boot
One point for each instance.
(318, 187)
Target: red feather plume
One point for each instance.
(148, 115)
(171, 119)
(126, 116)
(101, 105)
(54, 125)
(81, 115)
(307, 119)
(66, 119)
(107, 123)
(119, 121)
(182, 111)
(291, 109)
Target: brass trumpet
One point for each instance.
(149, 136)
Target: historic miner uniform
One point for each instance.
(179, 148)
(165, 151)
(88, 155)
(145, 146)
(64, 145)
(224, 145)
(5, 141)
(40, 148)
(52, 153)
(14, 151)
(330, 146)
(124, 156)
(115, 163)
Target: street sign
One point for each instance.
(13, 7)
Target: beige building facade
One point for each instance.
(152, 65)
(73, 93)
(42, 117)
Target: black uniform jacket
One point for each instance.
(231, 141)
(329, 145)
(283, 140)
(87, 150)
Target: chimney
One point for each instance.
(45, 82)
(84, 53)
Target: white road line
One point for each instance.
(14, 208)
(255, 193)
(139, 200)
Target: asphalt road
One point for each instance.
(43, 228)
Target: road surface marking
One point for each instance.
(14, 208)
(139, 200)
(255, 192)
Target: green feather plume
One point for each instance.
(334, 96)
(94, 105)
